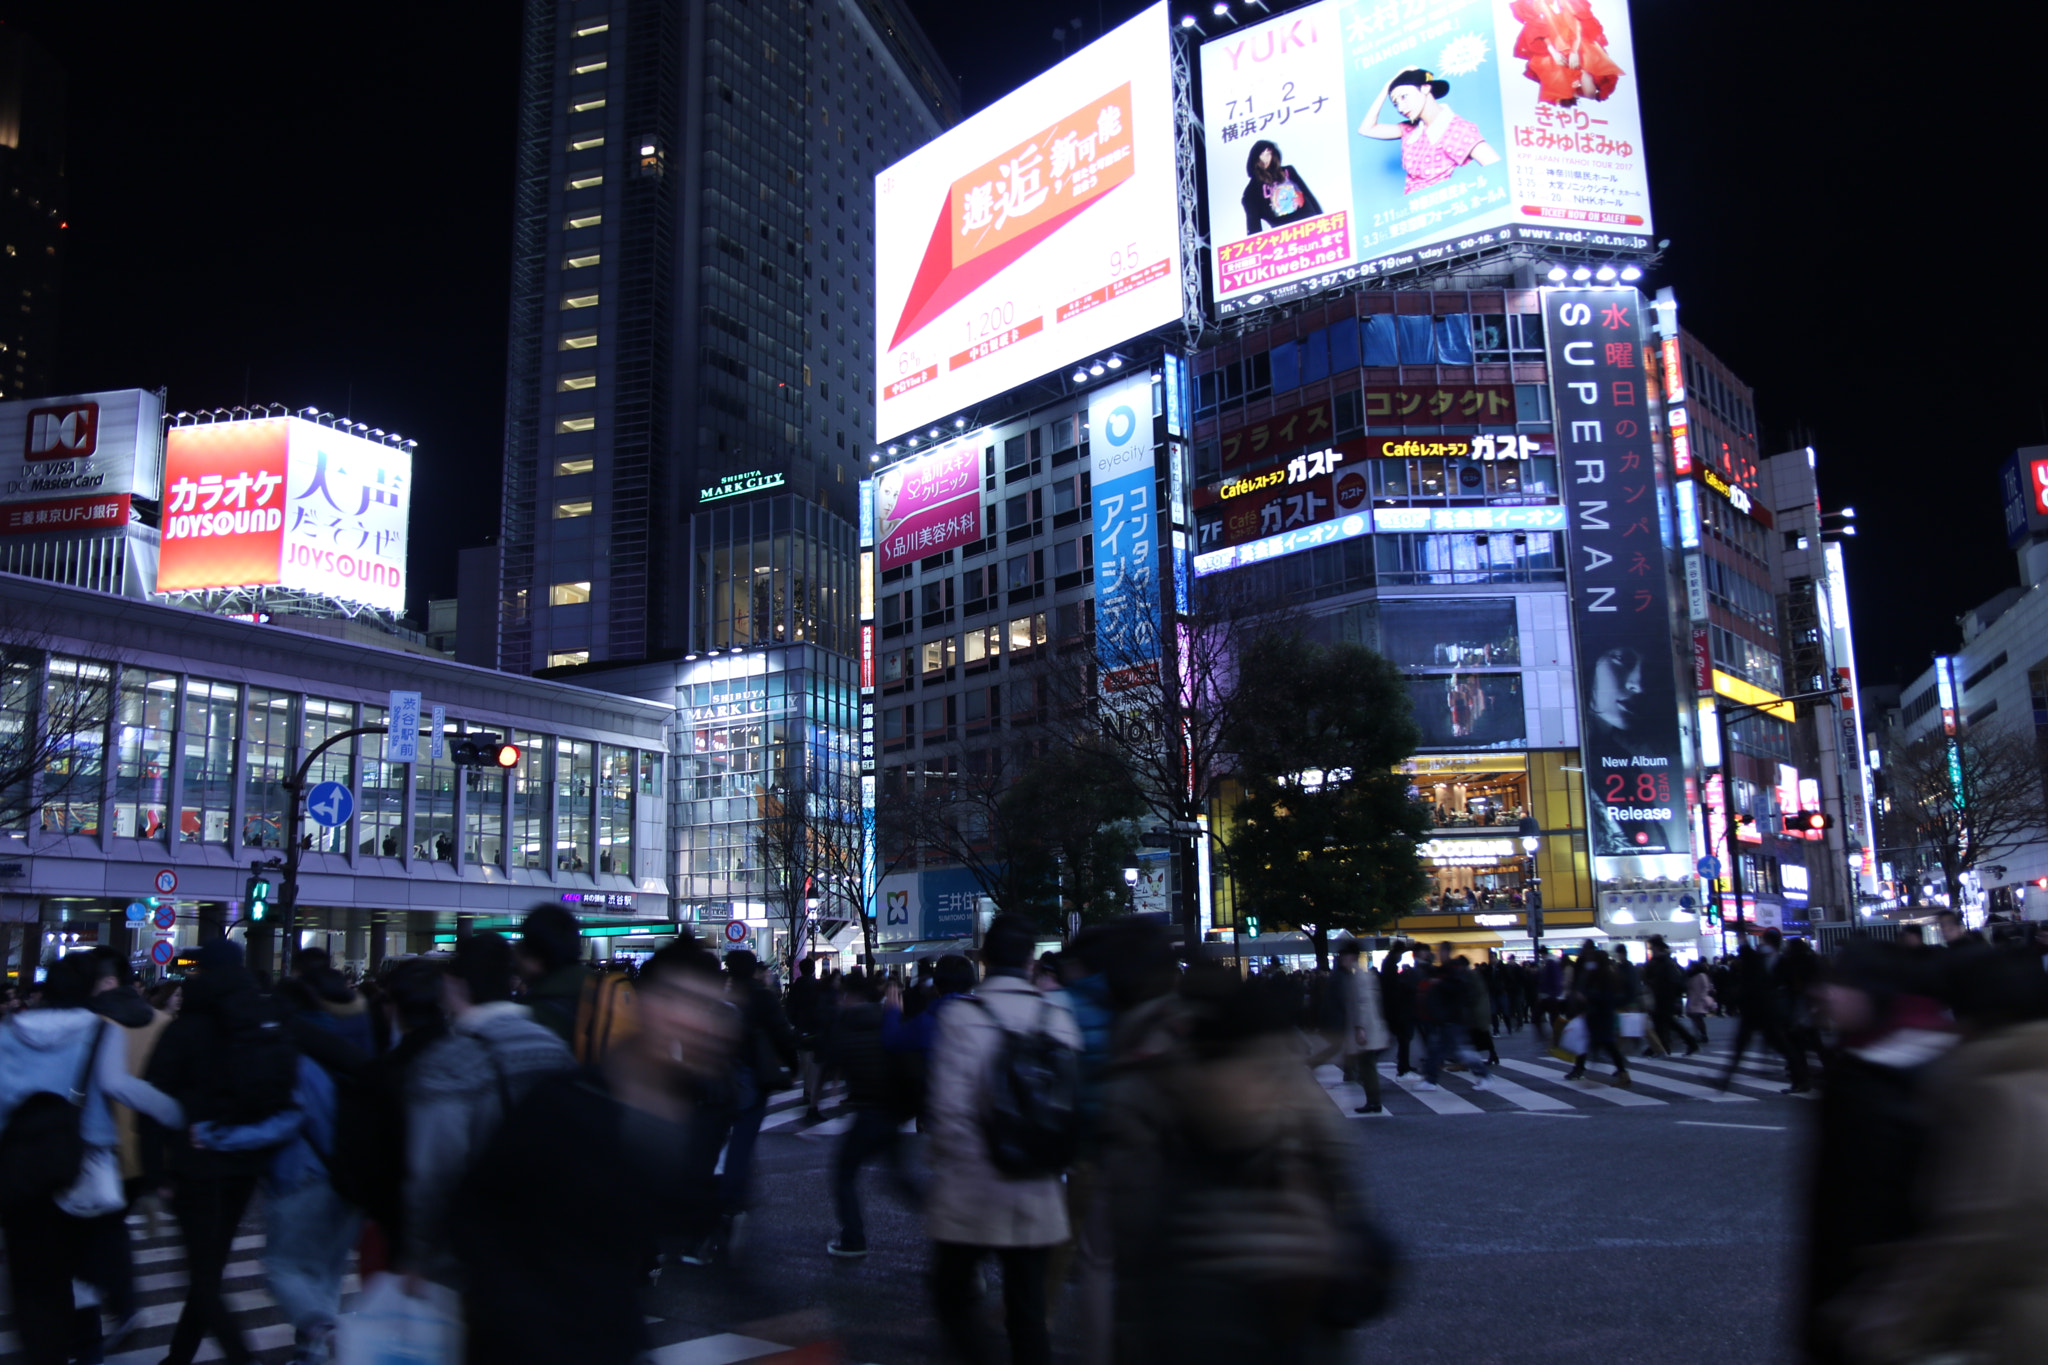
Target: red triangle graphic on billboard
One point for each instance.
(939, 286)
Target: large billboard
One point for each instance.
(1354, 137)
(1621, 609)
(928, 504)
(74, 463)
(1122, 471)
(283, 502)
(1041, 231)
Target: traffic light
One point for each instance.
(481, 749)
(257, 893)
(1807, 822)
(1251, 926)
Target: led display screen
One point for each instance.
(1040, 232)
(1351, 138)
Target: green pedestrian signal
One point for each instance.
(257, 893)
(1251, 926)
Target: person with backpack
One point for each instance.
(60, 1184)
(551, 1274)
(1003, 1112)
(460, 1089)
(229, 1059)
(856, 1051)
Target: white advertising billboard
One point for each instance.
(1039, 232)
(73, 463)
(283, 502)
(1351, 138)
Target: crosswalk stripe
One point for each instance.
(1442, 1101)
(1686, 1088)
(722, 1349)
(1713, 1074)
(1521, 1095)
(257, 1339)
(1625, 1098)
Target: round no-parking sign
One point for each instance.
(736, 931)
(162, 952)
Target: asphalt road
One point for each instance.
(1651, 1234)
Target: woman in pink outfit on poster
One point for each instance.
(1435, 139)
(1564, 50)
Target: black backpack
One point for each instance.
(259, 1062)
(43, 1147)
(1031, 1101)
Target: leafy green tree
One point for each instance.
(1070, 821)
(1326, 834)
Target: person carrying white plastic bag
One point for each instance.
(391, 1327)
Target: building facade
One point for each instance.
(693, 275)
(145, 741)
(32, 206)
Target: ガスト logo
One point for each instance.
(70, 432)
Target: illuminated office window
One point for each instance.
(569, 594)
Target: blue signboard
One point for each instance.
(1126, 528)
(330, 804)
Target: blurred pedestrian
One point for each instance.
(803, 1007)
(974, 1210)
(61, 1064)
(1971, 1282)
(1761, 981)
(855, 1051)
(550, 963)
(1397, 999)
(1699, 999)
(461, 1087)
(551, 1274)
(1667, 988)
(370, 1120)
(1240, 1225)
(763, 1062)
(1601, 991)
(1550, 993)
(227, 1058)
(1366, 1034)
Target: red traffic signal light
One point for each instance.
(482, 750)
(507, 756)
(1807, 822)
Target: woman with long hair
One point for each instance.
(1435, 139)
(1274, 191)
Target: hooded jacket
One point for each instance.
(190, 1064)
(42, 1051)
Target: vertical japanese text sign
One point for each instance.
(402, 729)
(1620, 605)
(1120, 450)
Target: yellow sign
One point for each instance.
(1736, 690)
(1432, 764)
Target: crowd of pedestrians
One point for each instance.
(1102, 1127)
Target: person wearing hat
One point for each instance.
(1435, 140)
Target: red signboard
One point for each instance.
(64, 514)
(1702, 661)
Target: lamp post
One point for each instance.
(1532, 885)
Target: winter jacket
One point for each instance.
(551, 1274)
(142, 1025)
(556, 997)
(1095, 1015)
(43, 1050)
(369, 1142)
(1973, 1283)
(970, 1202)
(854, 1051)
(1361, 990)
(1397, 996)
(1665, 980)
(457, 1093)
(767, 1042)
(191, 1065)
(1231, 1178)
(1699, 994)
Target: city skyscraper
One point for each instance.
(692, 283)
(31, 212)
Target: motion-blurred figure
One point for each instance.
(1238, 1216)
(1972, 1284)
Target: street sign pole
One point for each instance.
(295, 794)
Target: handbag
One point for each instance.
(1578, 1037)
(98, 1190)
(1633, 1023)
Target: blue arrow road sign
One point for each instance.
(1710, 867)
(330, 804)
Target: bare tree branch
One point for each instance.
(1965, 801)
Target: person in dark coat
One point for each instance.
(855, 1051)
(369, 1143)
(1397, 996)
(550, 1274)
(210, 1189)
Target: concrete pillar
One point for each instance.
(6, 947)
(355, 949)
(380, 923)
(260, 950)
(213, 920)
(419, 931)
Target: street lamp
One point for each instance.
(1532, 893)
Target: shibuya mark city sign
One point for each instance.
(1620, 607)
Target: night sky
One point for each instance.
(313, 206)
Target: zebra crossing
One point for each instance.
(160, 1281)
(1535, 1083)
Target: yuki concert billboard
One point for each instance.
(1351, 138)
(283, 502)
(1040, 232)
